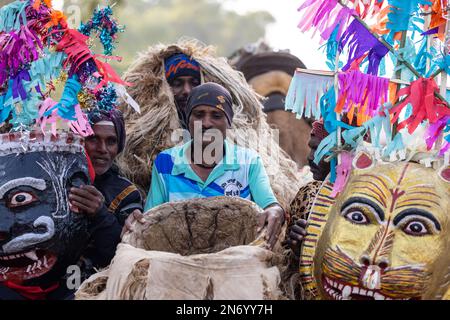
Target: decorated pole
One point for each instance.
(443, 87)
(336, 91)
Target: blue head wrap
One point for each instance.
(179, 65)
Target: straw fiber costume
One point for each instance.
(151, 132)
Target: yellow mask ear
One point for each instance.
(363, 161)
(444, 173)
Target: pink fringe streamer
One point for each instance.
(434, 131)
(19, 48)
(343, 171)
(81, 126)
(360, 89)
(324, 15)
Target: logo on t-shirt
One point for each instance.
(232, 188)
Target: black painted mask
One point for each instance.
(39, 235)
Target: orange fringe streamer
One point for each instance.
(38, 3)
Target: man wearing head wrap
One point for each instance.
(209, 165)
(111, 198)
(183, 74)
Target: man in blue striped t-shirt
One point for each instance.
(209, 165)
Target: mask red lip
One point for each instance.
(26, 265)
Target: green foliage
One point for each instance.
(152, 21)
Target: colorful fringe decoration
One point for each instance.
(377, 126)
(441, 62)
(325, 16)
(74, 44)
(17, 49)
(305, 92)
(446, 146)
(361, 93)
(367, 8)
(407, 53)
(343, 170)
(46, 69)
(380, 26)
(401, 13)
(6, 102)
(81, 124)
(69, 99)
(426, 106)
(325, 147)
(420, 62)
(367, 96)
(107, 28)
(438, 20)
(107, 97)
(327, 109)
(37, 47)
(332, 46)
(28, 113)
(396, 149)
(435, 130)
(107, 72)
(13, 16)
(48, 116)
(359, 42)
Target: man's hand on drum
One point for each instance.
(297, 232)
(273, 216)
(136, 215)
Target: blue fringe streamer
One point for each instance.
(69, 99)
(304, 93)
(13, 16)
(401, 15)
(107, 98)
(105, 25)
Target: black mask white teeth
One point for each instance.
(32, 255)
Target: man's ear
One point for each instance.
(363, 161)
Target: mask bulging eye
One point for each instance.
(358, 213)
(356, 217)
(416, 228)
(20, 199)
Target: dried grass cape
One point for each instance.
(149, 133)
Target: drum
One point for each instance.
(197, 249)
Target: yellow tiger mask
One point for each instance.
(386, 236)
